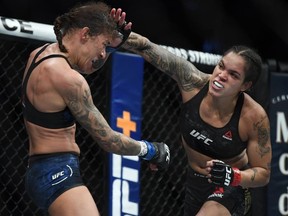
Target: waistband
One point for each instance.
(193, 172)
(33, 158)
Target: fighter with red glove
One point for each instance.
(223, 174)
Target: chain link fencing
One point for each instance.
(162, 193)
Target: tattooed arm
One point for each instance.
(78, 98)
(259, 149)
(184, 72)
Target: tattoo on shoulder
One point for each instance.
(263, 136)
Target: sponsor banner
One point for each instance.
(44, 32)
(195, 56)
(26, 29)
(126, 117)
(278, 113)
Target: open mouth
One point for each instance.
(96, 64)
(218, 84)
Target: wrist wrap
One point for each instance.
(143, 150)
(237, 177)
(151, 151)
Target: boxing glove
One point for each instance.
(158, 153)
(223, 174)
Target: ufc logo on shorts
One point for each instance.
(228, 176)
(57, 175)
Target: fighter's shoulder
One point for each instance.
(61, 74)
(252, 110)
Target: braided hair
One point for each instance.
(253, 61)
(94, 15)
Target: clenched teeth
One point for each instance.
(218, 84)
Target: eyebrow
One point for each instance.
(231, 71)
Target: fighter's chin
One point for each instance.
(78, 69)
(87, 72)
(84, 71)
(97, 64)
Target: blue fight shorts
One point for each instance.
(50, 175)
(198, 190)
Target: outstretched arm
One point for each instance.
(182, 71)
(76, 93)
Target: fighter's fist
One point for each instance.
(223, 174)
(158, 153)
(123, 28)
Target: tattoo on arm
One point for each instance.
(81, 104)
(254, 174)
(185, 73)
(191, 78)
(263, 136)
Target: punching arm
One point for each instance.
(157, 153)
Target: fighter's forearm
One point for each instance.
(155, 54)
(178, 68)
(136, 43)
(255, 177)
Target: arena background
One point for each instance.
(203, 25)
(162, 193)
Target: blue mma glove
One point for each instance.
(158, 153)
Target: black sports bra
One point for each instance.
(217, 143)
(53, 120)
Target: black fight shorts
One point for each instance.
(48, 176)
(198, 190)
